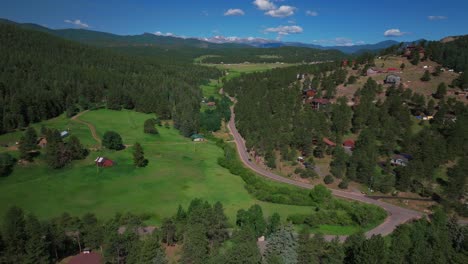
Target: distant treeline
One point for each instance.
(42, 76)
(272, 55)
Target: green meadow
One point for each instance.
(178, 171)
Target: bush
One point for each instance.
(328, 179)
(343, 184)
(297, 219)
(149, 126)
(6, 164)
(112, 140)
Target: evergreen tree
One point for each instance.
(36, 245)
(92, 232)
(27, 143)
(282, 246)
(334, 252)
(57, 155)
(138, 156)
(415, 57)
(7, 162)
(217, 230)
(168, 232)
(426, 76)
(76, 149)
(441, 91)
(195, 248)
(341, 117)
(14, 235)
(338, 164)
(112, 140)
(274, 222)
(151, 252)
(244, 249)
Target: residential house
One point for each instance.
(349, 144)
(86, 258)
(392, 79)
(42, 142)
(210, 104)
(103, 162)
(371, 72)
(319, 103)
(64, 134)
(197, 137)
(308, 93)
(399, 160)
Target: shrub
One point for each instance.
(343, 184)
(328, 179)
(149, 127)
(112, 140)
(6, 164)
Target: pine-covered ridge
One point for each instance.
(41, 76)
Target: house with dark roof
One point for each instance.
(399, 160)
(392, 79)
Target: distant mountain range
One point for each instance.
(171, 42)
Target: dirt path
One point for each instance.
(396, 215)
(90, 126)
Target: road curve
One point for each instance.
(396, 215)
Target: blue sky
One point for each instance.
(325, 22)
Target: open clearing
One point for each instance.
(179, 170)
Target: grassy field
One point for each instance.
(179, 170)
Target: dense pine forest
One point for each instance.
(274, 118)
(204, 236)
(42, 76)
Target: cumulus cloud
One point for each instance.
(436, 17)
(284, 30)
(168, 34)
(234, 12)
(311, 13)
(282, 11)
(77, 23)
(264, 4)
(394, 32)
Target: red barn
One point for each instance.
(104, 162)
(349, 144)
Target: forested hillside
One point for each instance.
(41, 76)
(274, 116)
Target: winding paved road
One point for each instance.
(396, 215)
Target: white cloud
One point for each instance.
(311, 13)
(284, 30)
(394, 32)
(437, 17)
(168, 34)
(264, 4)
(282, 11)
(234, 12)
(77, 22)
(339, 41)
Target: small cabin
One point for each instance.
(399, 160)
(319, 103)
(64, 134)
(392, 79)
(349, 144)
(197, 137)
(211, 104)
(103, 162)
(42, 142)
